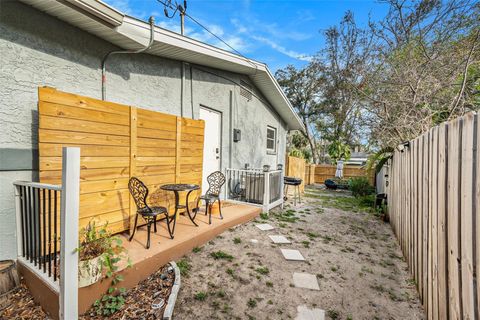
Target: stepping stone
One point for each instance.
(303, 313)
(264, 226)
(290, 254)
(305, 280)
(279, 239)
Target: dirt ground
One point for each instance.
(354, 255)
(358, 264)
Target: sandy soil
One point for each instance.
(359, 267)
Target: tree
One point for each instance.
(426, 57)
(302, 87)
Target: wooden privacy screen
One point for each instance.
(116, 142)
(434, 209)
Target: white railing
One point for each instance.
(254, 186)
(47, 234)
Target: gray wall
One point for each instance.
(39, 50)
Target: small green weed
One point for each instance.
(221, 255)
(200, 296)
(184, 267)
(262, 270)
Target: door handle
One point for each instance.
(217, 151)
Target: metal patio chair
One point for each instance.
(215, 182)
(139, 192)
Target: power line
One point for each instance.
(169, 5)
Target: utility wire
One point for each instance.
(169, 5)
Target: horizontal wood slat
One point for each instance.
(116, 142)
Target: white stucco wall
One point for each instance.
(39, 50)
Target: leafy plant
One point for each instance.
(98, 242)
(338, 150)
(360, 186)
(237, 240)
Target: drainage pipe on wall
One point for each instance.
(151, 20)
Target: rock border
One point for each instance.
(168, 313)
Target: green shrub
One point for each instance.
(366, 201)
(360, 186)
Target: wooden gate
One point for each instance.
(116, 142)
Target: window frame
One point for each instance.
(270, 150)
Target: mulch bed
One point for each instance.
(138, 301)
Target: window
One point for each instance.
(271, 140)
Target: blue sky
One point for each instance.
(277, 32)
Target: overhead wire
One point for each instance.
(169, 5)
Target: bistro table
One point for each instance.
(178, 187)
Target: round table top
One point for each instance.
(180, 187)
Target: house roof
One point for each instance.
(130, 33)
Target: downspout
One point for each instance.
(151, 20)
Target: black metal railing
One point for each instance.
(38, 212)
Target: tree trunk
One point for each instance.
(311, 142)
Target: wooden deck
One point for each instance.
(145, 262)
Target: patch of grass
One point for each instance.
(200, 296)
(269, 302)
(221, 293)
(264, 216)
(237, 240)
(196, 249)
(262, 270)
(217, 255)
(366, 269)
(312, 235)
(306, 244)
(184, 267)
(269, 284)
(231, 272)
(333, 314)
(320, 276)
(251, 303)
(286, 216)
(334, 268)
(378, 287)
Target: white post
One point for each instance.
(18, 213)
(69, 233)
(266, 191)
(282, 187)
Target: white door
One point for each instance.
(211, 146)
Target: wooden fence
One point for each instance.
(295, 167)
(116, 142)
(434, 209)
(327, 171)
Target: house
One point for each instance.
(61, 44)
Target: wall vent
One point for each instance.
(245, 90)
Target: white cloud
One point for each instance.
(283, 50)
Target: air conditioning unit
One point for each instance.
(254, 187)
(275, 186)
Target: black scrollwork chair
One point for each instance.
(139, 192)
(215, 182)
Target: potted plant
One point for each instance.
(97, 250)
